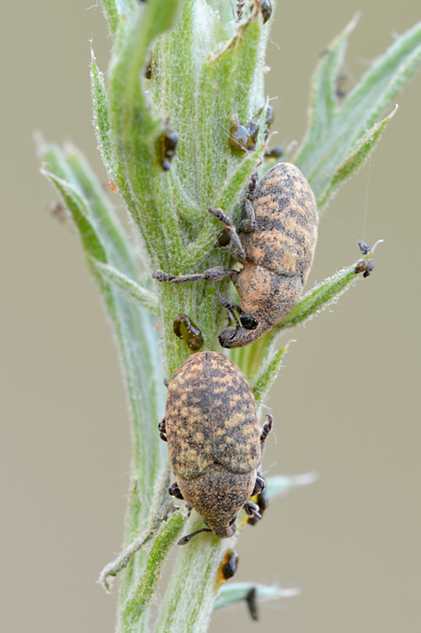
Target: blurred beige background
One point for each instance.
(346, 405)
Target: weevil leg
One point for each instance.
(267, 427)
(225, 304)
(162, 430)
(213, 274)
(252, 185)
(252, 510)
(239, 252)
(175, 491)
(262, 499)
(259, 486)
(248, 225)
(166, 383)
(187, 538)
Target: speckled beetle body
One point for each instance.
(214, 443)
(277, 245)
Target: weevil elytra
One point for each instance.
(214, 443)
(277, 245)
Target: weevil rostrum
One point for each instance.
(276, 249)
(214, 443)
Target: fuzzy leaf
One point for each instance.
(234, 592)
(135, 605)
(127, 286)
(267, 375)
(104, 241)
(255, 358)
(115, 10)
(101, 119)
(321, 296)
(358, 157)
(191, 592)
(335, 133)
(135, 136)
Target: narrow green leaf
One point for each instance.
(159, 512)
(101, 120)
(78, 208)
(267, 375)
(234, 592)
(321, 296)
(135, 136)
(127, 286)
(252, 359)
(281, 485)
(358, 157)
(104, 241)
(323, 101)
(190, 596)
(135, 605)
(336, 132)
(115, 10)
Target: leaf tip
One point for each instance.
(93, 58)
(392, 114)
(353, 23)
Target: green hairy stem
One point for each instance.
(195, 69)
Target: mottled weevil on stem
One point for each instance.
(277, 245)
(214, 443)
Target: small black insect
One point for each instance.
(273, 153)
(229, 564)
(243, 137)
(187, 330)
(251, 600)
(169, 141)
(365, 266)
(266, 10)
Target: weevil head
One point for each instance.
(238, 337)
(224, 530)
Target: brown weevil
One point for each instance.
(278, 240)
(214, 443)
